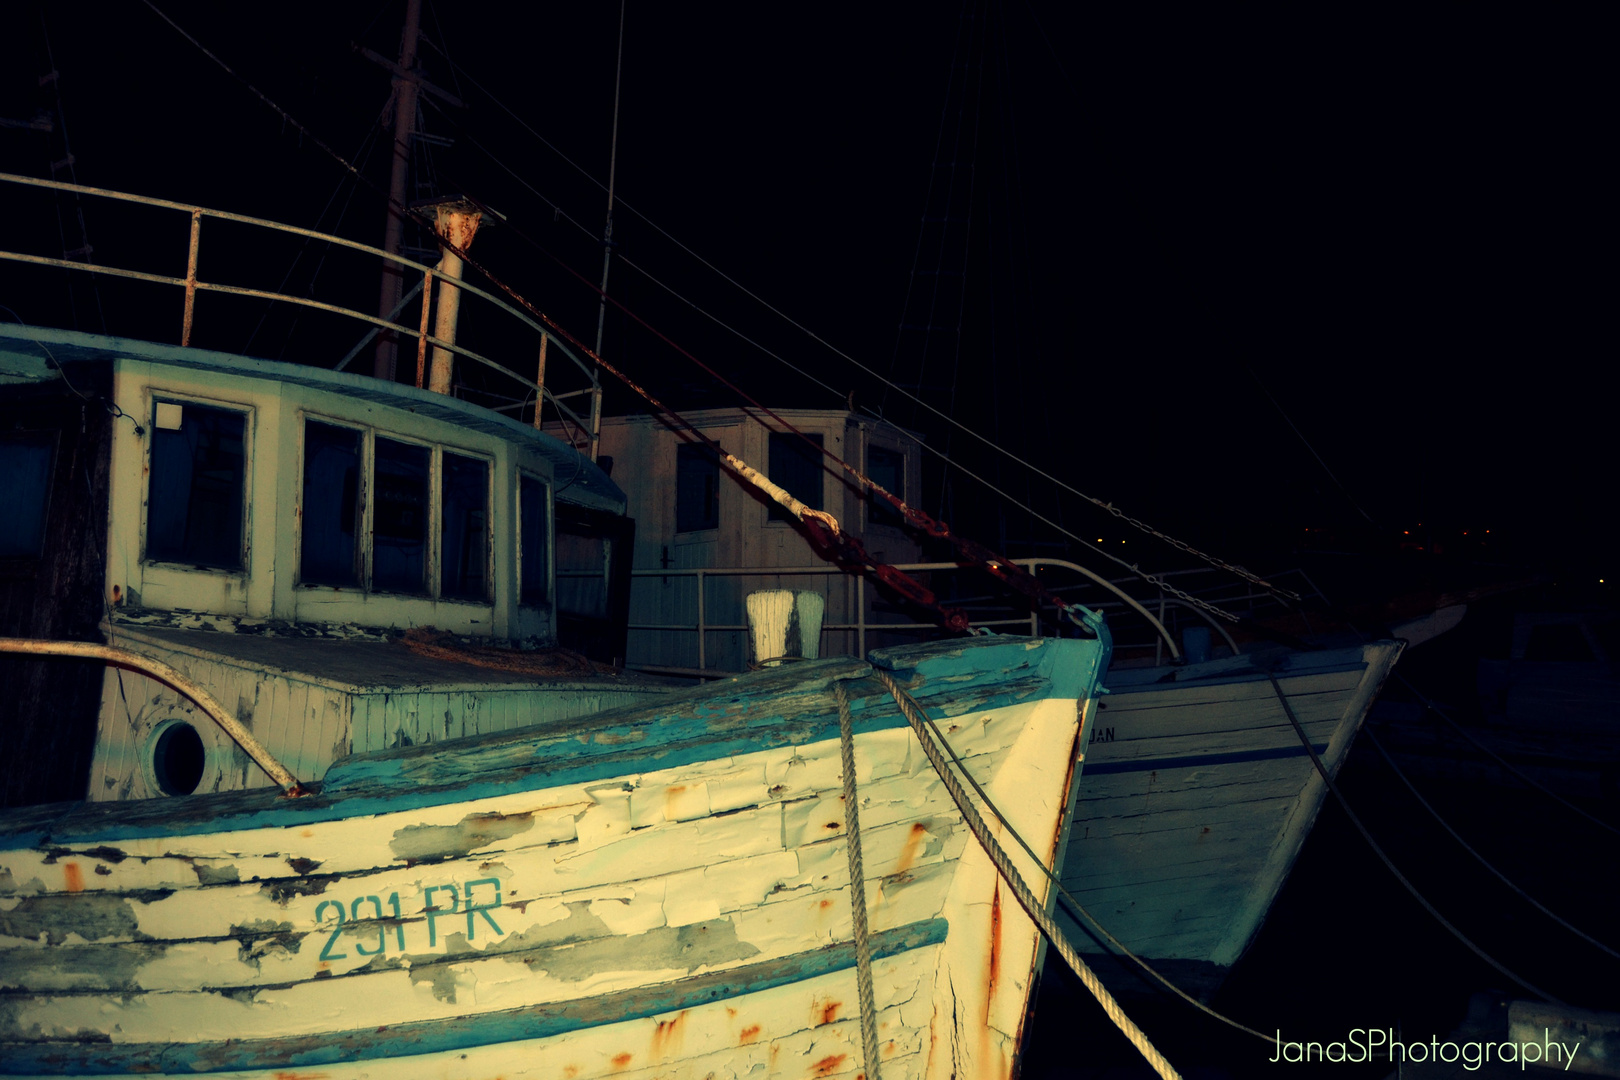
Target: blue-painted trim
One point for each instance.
(65, 1058)
(789, 706)
(1196, 761)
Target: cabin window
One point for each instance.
(194, 502)
(795, 466)
(25, 462)
(331, 505)
(399, 517)
(887, 468)
(464, 528)
(697, 488)
(533, 510)
(430, 516)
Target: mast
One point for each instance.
(607, 232)
(393, 279)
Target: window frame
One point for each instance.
(870, 501)
(776, 514)
(53, 436)
(689, 450)
(549, 529)
(433, 539)
(249, 413)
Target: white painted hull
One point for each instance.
(1197, 797)
(686, 920)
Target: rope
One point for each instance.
(1288, 710)
(1532, 901)
(1015, 882)
(1500, 760)
(857, 887)
(1078, 909)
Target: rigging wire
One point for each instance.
(1067, 897)
(1134, 522)
(849, 548)
(363, 153)
(928, 198)
(1431, 706)
(1532, 901)
(1295, 429)
(1316, 760)
(995, 488)
(967, 242)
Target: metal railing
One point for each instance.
(856, 603)
(191, 284)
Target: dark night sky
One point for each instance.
(1392, 221)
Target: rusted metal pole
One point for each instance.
(458, 224)
(421, 341)
(191, 277)
(157, 669)
(540, 381)
(393, 275)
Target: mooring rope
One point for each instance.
(1078, 909)
(1482, 860)
(857, 887)
(1389, 865)
(1015, 882)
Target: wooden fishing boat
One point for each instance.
(500, 870)
(1197, 797)
(650, 891)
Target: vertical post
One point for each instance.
(458, 224)
(540, 380)
(191, 277)
(596, 415)
(702, 632)
(393, 275)
(421, 341)
(1158, 639)
(860, 617)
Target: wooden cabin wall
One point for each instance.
(48, 707)
(646, 453)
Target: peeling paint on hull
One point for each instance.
(648, 892)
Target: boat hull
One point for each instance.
(1196, 799)
(653, 891)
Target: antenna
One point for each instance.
(607, 232)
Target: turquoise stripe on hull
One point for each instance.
(532, 1022)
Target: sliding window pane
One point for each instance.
(464, 543)
(532, 538)
(795, 465)
(399, 517)
(331, 508)
(697, 488)
(25, 462)
(194, 503)
(888, 469)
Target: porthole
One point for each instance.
(177, 759)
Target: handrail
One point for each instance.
(191, 284)
(157, 669)
(861, 626)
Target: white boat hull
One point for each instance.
(684, 920)
(1196, 799)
